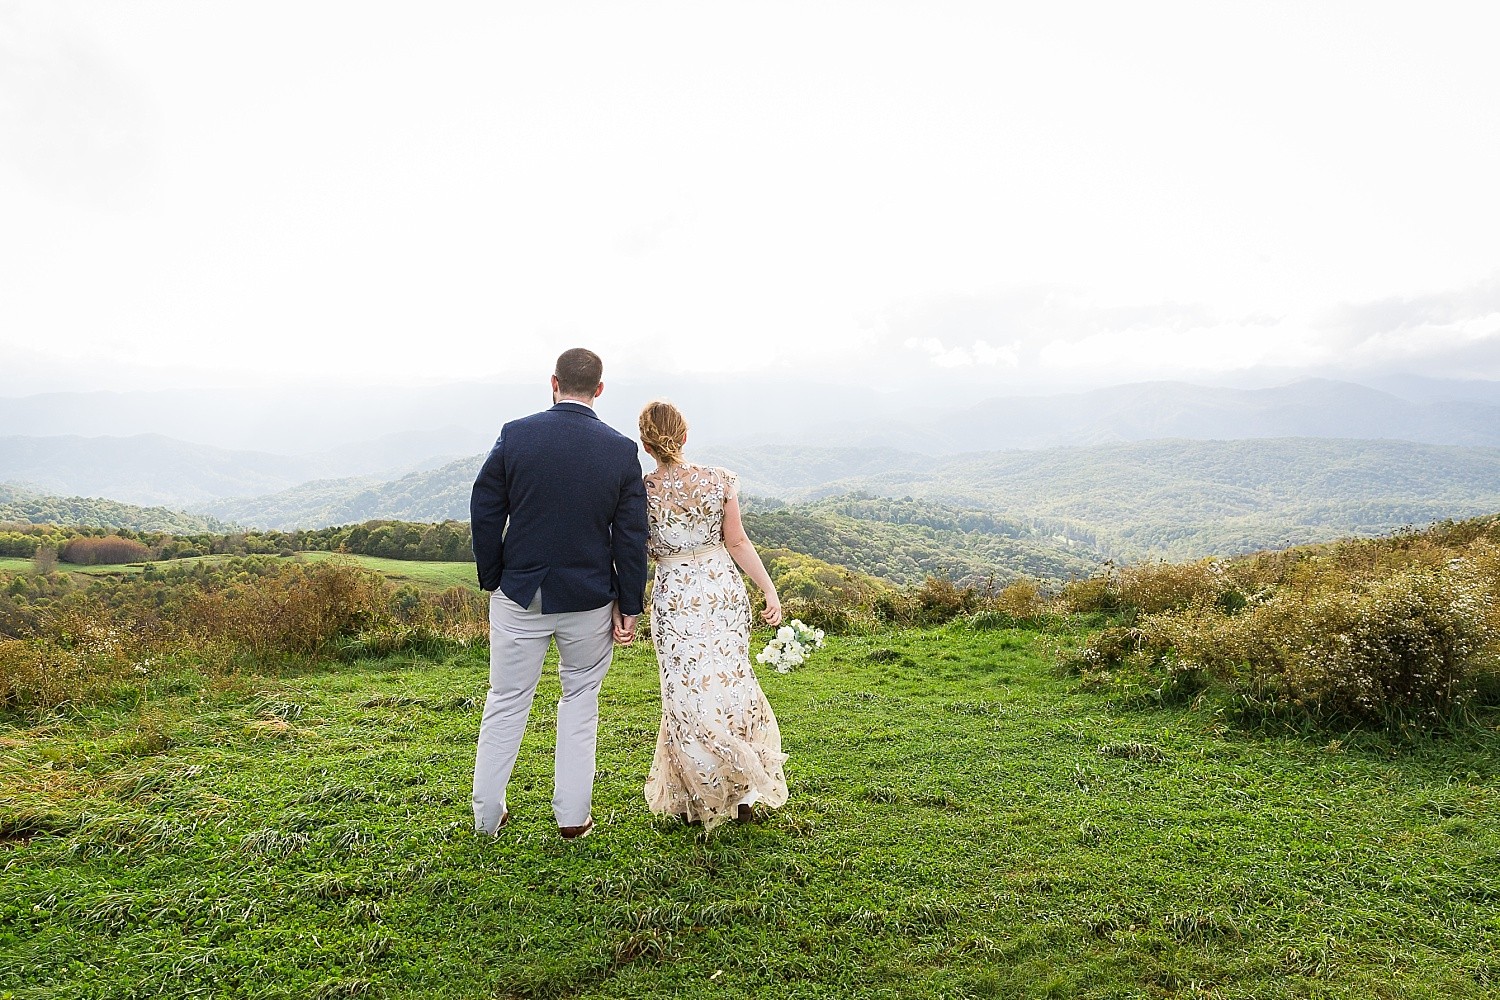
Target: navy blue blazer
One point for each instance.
(559, 504)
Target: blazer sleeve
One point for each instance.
(628, 540)
(489, 507)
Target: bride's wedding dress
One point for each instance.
(719, 746)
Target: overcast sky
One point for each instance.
(1018, 194)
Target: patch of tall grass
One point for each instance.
(67, 644)
(1402, 633)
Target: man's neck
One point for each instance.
(574, 399)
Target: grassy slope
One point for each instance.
(427, 575)
(962, 823)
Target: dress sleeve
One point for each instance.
(731, 484)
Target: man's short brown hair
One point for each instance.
(579, 372)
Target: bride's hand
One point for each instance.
(772, 614)
(624, 626)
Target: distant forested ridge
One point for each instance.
(21, 506)
(1050, 510)
(439, 494)
(1184, 499)
(907, 540)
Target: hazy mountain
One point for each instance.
(384, 430)
(775, 471)
(462, 417)
(1153, 410)
(430, 495)
(344, 444)
(144, 469)
(152, 469)
(456, 419)
(1130, 500)
(1190, 498)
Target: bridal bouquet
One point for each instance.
(791, 646)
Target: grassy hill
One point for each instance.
(962, 823)
(250, 776)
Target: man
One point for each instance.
(559, 520)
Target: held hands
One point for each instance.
(624, 626)
(772, 614)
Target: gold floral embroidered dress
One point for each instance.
(719, 745)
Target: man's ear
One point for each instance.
(555, 386)
(598, 390)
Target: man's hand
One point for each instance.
(624, 626)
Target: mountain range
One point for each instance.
(1143, 470)
(1169, 498)
(342, 431)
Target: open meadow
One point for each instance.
(965, 821)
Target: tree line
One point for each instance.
(446, 541)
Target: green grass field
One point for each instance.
(426, 575)
(962, 823)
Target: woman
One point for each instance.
(719, 750)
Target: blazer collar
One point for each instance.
(569, 406)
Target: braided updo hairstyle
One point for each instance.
(662, 430)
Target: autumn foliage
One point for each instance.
(109, 550)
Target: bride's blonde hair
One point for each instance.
(662, 430)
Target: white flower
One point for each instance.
(791, 647)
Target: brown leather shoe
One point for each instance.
(577, 832)
(504, 819)
(744, 814)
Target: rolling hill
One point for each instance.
(1133, 500)
(1184, 499)
(25, 507)
(905, 541)
(431, 495)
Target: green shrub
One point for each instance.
(1155, 587)
(300, 609)
(41, 674)
(826, 615)
(992, 621)
(1021, 599)
(1094, 594)
(939, 600)
(73, 644)
(1412, 649)
(1407, 651)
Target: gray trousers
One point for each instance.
(519, 638)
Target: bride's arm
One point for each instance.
(739, 546)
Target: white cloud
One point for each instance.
(978, 354)
(694, 188)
